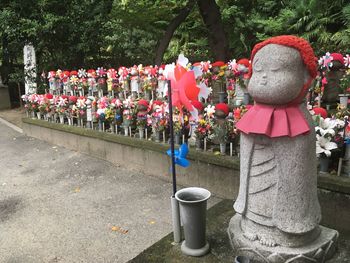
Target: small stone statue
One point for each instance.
(220, 127)
(277, 209)
(332, 88)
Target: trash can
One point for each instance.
(193, 208)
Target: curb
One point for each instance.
(12, 126)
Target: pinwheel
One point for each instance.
(180, 155)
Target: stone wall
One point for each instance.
(218, 174)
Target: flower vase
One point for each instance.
(70, 121)
(61, 119)
(33, 115)
(148, 95)
(38, 115)
(157, 136)
(222, 148)
(100, 125)
(177, 139)
(324, 164)
(27, 114)
(246, 99)
(199, 144)
(142, 133)
(343, 100)
(126, 130)
(222, 97)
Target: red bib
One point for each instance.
(274, 121)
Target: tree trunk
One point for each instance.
(211, 15)
(174, 24)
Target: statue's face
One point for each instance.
(278, 75)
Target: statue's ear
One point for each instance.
(306, 76)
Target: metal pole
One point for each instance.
(174, 203)
(171, 137)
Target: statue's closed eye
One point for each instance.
(257, 67)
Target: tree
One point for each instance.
(173, 25)
(217, 37)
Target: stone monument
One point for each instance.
(277, 209)
(29, 69)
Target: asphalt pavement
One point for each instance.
(58, 205)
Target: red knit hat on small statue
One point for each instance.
(306, 53)
(143, 103)
(244, 61)
(218, 63)
(222, 107)
(338, 57)
(320, 111)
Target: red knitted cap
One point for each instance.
(306, 54)
(72, 99)
(223, 107)
(157, 102)
(244, 61)
(338, 57)
(218, 63)
(49, 96)
(320, 111)
(143, 102)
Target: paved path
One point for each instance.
(58, 205)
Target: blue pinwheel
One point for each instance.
(180, 155)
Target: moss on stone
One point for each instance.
(334, 183)
(206, 157)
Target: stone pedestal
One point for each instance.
(319, 250)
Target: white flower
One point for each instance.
(204, 92)
(81, 103)
(331, 123)
(182, 60)
(169, 71)
(197, 71)
(100, 111)
(210, 110)
(324, 145)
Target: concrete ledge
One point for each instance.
(334, 183)
(219, 174)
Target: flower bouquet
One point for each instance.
(328, 139)
(128, 114)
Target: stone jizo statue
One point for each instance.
(277, 209)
